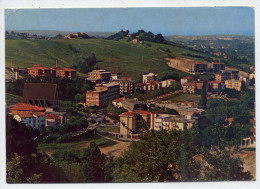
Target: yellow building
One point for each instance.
(128, 123)
(189, 88)
(233, 84)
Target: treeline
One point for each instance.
(86, 63)
(17, 35)
(67, 89)
(141, 35)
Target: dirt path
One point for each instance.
(117, 149)
(249, 159)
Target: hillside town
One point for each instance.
(40, 107)
(124, 95)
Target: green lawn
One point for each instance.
(11, 99)
(78, 143)
(180, 97)
(117, 56)
(107, 129)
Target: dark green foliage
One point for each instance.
(223, 165)
(84, 66)
(15, 88)
(18, 139)
(119, 35)
(158, 156)
(87, 164)
(203, 98)
(113, 110)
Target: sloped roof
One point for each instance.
(26, 107)
(128, 114)
(51, 116)
(39, 91)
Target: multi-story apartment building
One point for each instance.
(197, 67)
(216, 67)
(38, 70)
(190, 88)
(102, 94)
(126, 85)
(186, 80)
(99, 75)
(152, 85)
(167, 83)
(233, 84)
(29, 115)
(97, 98)
(128, 123)
(150, 77)
(115, 76)
(35, 120)
(63, 72)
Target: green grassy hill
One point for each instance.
(12, 99)
(116, 56)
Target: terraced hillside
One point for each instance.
(116, 56)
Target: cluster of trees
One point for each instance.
(171, 156)
(84, 66)
(141, 34)
(119, 35)
(67, 89)
(212, 128)
(147, 36)
(18, 35)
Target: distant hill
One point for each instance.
(117, 56)
(53, 33)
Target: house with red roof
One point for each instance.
(186, 80)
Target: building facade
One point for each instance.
(99, 75)
(233, 84)
(149, 77)
(197, 67)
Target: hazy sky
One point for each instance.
(168, 21)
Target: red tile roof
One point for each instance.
(230, 120)
(24, 115)
(128, 114)
(26, 107)
(198, 63)
(170, 79)
(39, 114)
(62, 69)
(118, 100)
(189, 84)
(51, 116)
(38, 67)
(214, 81)
(188, 78)
(126, 77)
(143, 112)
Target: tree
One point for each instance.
(203, 98)
(158, 156)
(223, 165)
(18, 139)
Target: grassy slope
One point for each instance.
(12, 99)
(79, 143)
(118, 56)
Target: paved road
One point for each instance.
(117, 149)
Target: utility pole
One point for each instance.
(56, 63)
